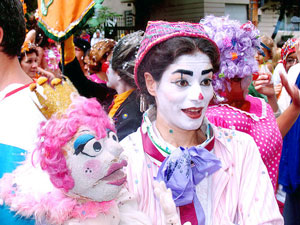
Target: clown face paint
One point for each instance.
(112, 78)
(96, 166)
(184, 91)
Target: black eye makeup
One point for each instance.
(206, 82)
(81, 141)
(205, 72)
(112, 135)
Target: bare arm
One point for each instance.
(46, 73)
(287, 119)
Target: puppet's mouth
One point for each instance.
(115, 175)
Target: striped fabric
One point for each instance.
(242, 192)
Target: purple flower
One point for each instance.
(233, 38)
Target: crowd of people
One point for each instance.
(205, 114)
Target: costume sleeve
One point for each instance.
(257, 204)
(85, 86)
(69, 50)
(129, 213)
(128, 118)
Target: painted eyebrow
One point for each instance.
(204, 72)
(187, 72)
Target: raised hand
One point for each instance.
(264, 85)
(292, 90)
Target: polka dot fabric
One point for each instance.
(260, 125)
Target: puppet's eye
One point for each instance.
(113, 135)
(82, 140)
(97, 146)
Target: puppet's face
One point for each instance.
(95, 165)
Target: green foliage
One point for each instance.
(289, 7)
(101, 14)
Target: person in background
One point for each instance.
(48, 53)
(82, 47)
(84, 85)
(29, 58)
(266, 56)
(289, 163)
(266, 59)
(29, 63)
(96, 37)
(98, 60)
(85, 36)
(239, 110)
(222, 177)
(125, 109)
(289, 59)
(19, 117)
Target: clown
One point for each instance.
(241, 111)
(286, 66)
(216, 175)
(79, 150)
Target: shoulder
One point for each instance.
(233, 141)
(132, 142)
(217, 115)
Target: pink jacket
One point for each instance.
(242, 192)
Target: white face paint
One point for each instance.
(95, 165)
(184, 91)
(112, 78)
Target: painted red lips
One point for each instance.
(193, 113)
(115, 175)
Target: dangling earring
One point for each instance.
(215, 96)
(143, 104)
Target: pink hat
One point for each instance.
(160, 31)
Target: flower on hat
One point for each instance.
(238, 45)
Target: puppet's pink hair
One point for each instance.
(58, 131)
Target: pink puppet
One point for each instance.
(78, 151)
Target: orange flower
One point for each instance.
(234, 55)
(25, 47)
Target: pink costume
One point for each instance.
(238, 193)
(238, 45)
(260, 123)
(96, 79)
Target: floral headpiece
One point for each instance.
(238, 45)
(160, 31)
(100, 51)
(27, 45)
(288, 48)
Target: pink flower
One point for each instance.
(227, 42)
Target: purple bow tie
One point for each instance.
(182, 170)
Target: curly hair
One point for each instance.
(99, 53)
(55, 133)
(12, 22)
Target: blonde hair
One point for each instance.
(268, 41)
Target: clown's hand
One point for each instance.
(167, 203)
